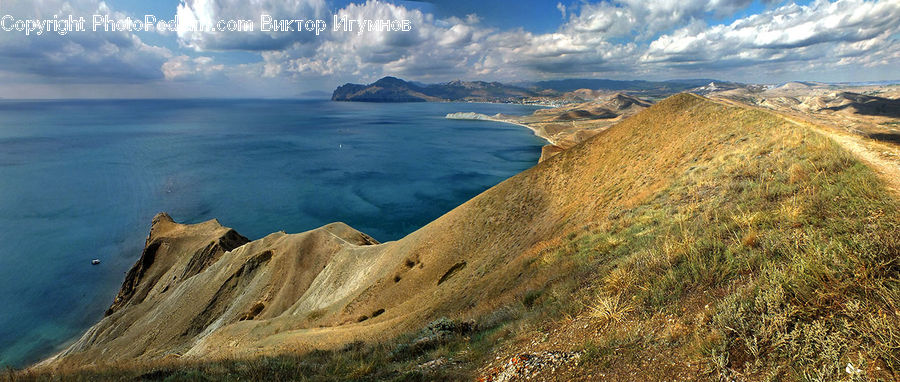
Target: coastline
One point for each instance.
(566, 126)
(465, 116)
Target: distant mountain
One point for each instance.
(855, 103)
(387, 89)
(718, 86)
(391, 89)
(573, 84)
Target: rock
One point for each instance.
(527, 365)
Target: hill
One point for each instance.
(692, 240)
(573, 84)
(861, 104)
(841, 101)
(642, 88)
(391, 89)
(870, 111)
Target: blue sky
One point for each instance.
(760, 41)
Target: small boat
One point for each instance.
(95, 261)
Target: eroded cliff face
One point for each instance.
(193, 279)
(157, 259)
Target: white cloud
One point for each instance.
(210, 12)
(590, 43)
(617, 38)
(78, 57)
(368, 52)
(646, 18)
(187, 68)
(822, 31)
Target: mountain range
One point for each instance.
(392, 89)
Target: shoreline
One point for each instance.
(467, 116)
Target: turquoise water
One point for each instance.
(81, 180)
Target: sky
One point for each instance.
(753, 41)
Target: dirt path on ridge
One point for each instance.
(882, 157)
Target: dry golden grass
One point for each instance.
(609, 309)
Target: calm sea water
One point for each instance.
(82, 179)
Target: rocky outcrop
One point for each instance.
(143, 276)
(194, 279)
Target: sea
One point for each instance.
(81, 180)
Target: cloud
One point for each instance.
(647, 18)
(210, 12)
(616, 38)
(187, 68)
(78, 57)
(823, 32)
(438, 49)
(369, 52)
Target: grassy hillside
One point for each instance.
(693, 240)
(774, 256)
